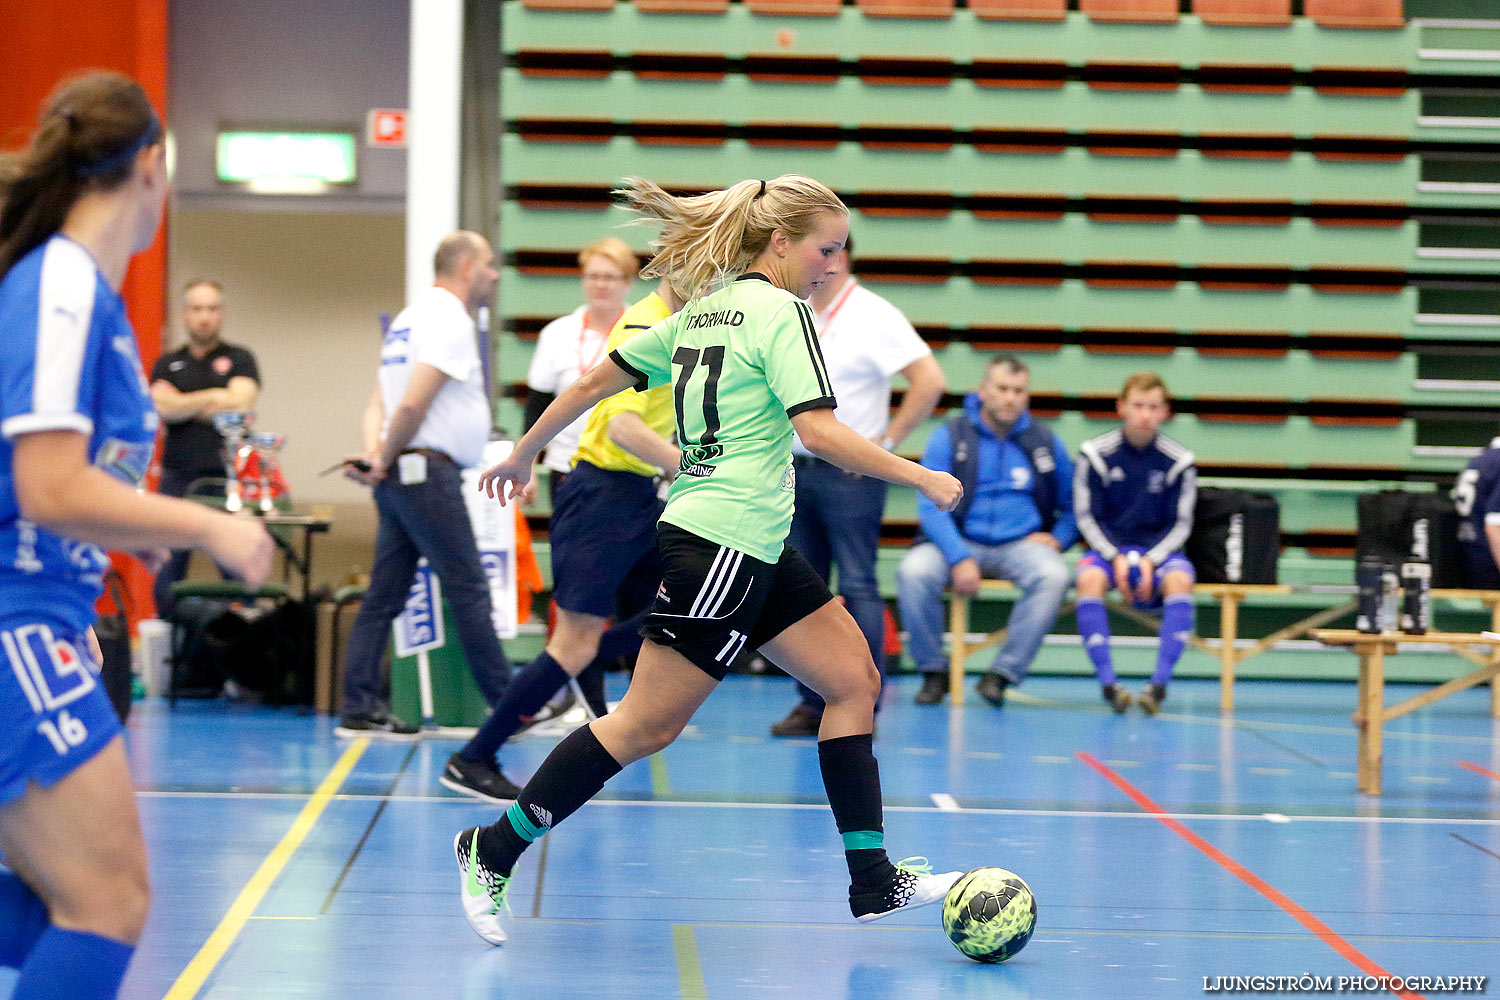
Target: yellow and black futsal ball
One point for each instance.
(989, 914)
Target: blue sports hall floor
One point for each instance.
(1163, 852)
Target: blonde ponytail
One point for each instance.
(710, 238)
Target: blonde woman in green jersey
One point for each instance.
(743, 360)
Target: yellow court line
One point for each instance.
(659, 783)
(203, 964)
(689, 968)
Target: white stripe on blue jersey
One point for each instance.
(65, 311)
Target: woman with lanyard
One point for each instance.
(573, 344)
(745, 367)
(78, 429)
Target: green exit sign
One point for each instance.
(286, 162)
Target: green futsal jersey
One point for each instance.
(742, 362)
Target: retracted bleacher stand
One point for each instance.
(1229, 196)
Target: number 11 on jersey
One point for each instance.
(732, 647)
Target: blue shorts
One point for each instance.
(1174, 563)
(54, 714)
(603, 531)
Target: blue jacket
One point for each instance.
(1128, 497)
(1003, 509)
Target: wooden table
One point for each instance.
(1372, 713)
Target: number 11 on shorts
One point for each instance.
(732, 647)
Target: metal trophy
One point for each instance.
(233, 426)
(267, 448)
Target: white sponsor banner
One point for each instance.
(495, 533)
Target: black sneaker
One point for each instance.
(560, 705)
(801, 721)
(911, 885)
(934, 686)
(380, 725)
(481, 780)
(1150, 699)
(991, 688)
(1116, 697)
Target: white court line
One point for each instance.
(458, 800)
(946, 802)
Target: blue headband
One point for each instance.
(124, 156)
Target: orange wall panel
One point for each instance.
(41, 45)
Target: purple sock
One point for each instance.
(23, 918)
(73, 965)
(1093, 626)
(1176, 627)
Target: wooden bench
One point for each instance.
(1371, 713)
(1229, 597)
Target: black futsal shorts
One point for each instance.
(715, 602)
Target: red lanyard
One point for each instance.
(583, 332)
(833, 310)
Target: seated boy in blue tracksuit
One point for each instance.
(1133, 492)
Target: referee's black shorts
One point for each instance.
(715, 602)
(603, 531)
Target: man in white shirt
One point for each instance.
(865, 341)
(427, 419)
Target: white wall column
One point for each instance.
(432, 143)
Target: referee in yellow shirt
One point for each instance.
(603, 535)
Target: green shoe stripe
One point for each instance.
(863, 840)
(472, 883)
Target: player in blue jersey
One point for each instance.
(745, 368)
(1134, 491)
(76, 434)
(1477, 497)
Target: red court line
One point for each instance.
(1478, 770)
(1239, 871)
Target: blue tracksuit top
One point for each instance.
(1003, 509)
(1129, 497)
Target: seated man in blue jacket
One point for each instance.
(1134, 497)
(1014, 522)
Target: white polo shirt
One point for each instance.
(865, 341)
(566, 348)
(436, 329)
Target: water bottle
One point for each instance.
(1416, 597)
(1390, 599)
(1368, 577)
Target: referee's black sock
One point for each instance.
(527, 692)
(572, 774)
(851, 777)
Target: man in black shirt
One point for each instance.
(188, 386)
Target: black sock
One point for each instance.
(851, 778)
(528, 691)
(623, 638)
(572, 774)
(591, 686)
